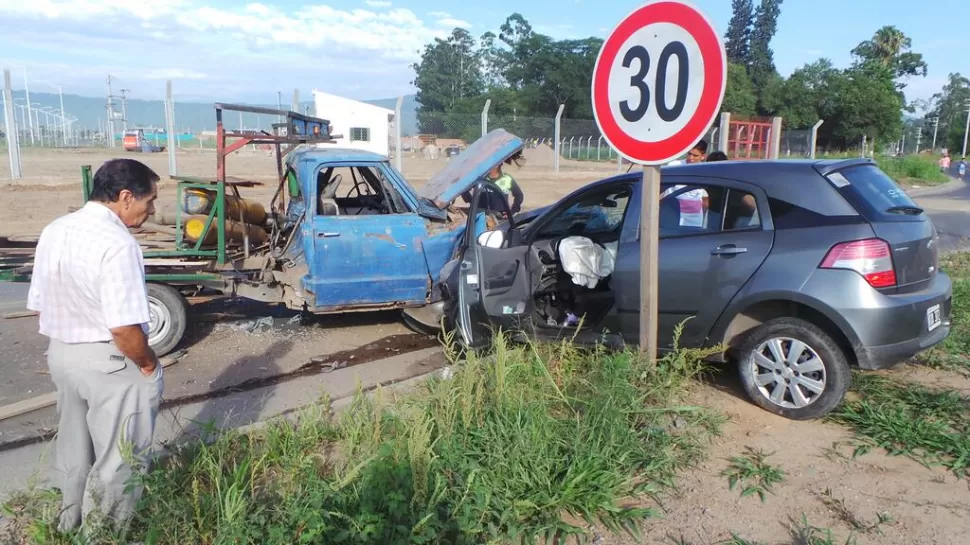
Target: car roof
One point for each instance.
(765, 173)
(795, 181)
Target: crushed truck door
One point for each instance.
(367, 244)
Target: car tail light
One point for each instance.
(871, 258)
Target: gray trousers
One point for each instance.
(107, 411)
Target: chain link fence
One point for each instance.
(796, 143)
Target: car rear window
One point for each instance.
(874, 193)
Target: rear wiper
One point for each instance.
(914, 210)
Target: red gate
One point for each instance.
(749, 138)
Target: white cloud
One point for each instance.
(224, 51)
(174, 73)
(397, 33)
(451, 22)
(439, 14)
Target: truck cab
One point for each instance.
(357, 236)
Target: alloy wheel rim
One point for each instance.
(788, 372)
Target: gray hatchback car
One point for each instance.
(802, 268)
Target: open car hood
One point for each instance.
(463, 171)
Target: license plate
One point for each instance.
(933, 319)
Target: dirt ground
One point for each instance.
(823, 482)
(927, 506)
(52, 178)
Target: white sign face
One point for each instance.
(656, 83)
(659, 81)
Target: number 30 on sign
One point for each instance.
(659, 81)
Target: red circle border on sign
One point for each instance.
(712, 52)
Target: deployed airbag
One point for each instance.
(585, 261)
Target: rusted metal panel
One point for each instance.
(368, 260)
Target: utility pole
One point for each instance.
(30, 120)
(936, 125)
(110, 140)
(919, 137)
(124, 108)
(966, 129)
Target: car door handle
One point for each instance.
(728, 249)
(327, 235)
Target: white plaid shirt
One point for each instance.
(88, 277)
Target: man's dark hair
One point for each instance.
(702, 146)
(119, 174)
(717, 156)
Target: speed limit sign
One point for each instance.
(657, 85)
(659, 81)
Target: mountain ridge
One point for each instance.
(190, 116)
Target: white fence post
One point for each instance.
(558, 149)
(398, 153)
(774, 146)
(13, 136)
(488, 103)
(170, 129)
(569, 154)
(599, 147)
(813, 141)
(725, 126)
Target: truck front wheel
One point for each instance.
(169, 315)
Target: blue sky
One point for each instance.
(247, 51)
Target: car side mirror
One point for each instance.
(492, 239)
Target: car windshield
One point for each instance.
(874, 190)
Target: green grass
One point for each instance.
(753, 473)
(912, 169)
(953, 354)
(531, 442)
(907, 419)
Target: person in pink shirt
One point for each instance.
(693, 203)
(944, 163)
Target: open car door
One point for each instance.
(494, 282)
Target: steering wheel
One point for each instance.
(356, 187)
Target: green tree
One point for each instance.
(761, 65)
(739, 95)
(738, 37)
(449, 71)
(808, 95)
(868, 105)
(950, 106)
(890, 48)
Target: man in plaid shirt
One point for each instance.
(88, 285)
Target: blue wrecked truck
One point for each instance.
(344, 232)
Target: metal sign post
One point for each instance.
(657, 87)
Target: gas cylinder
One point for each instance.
(200, 201)
(235, 231)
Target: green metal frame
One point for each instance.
(216, 215)
(299, 129)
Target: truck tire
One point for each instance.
(794, 369)
(169, 315)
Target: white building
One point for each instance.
(358, 124)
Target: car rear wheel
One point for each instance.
(792, 368)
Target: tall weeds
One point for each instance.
(507, 450)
